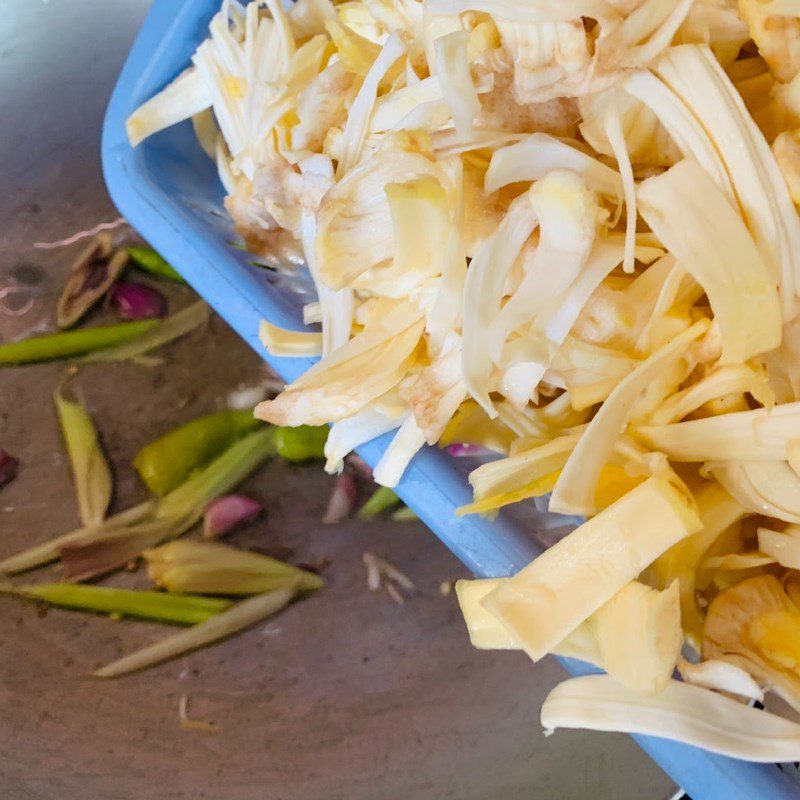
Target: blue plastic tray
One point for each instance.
(169, 191)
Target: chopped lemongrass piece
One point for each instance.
(68, 344)
(213, 568)
(150, 261)
(48, 551)
(168, 461)
(302, 442)
(405, 514)
(90, 471)
(382, 499)
(241, 615)
(224, 473)
(162, 332)
(123, 536)
(182, 609)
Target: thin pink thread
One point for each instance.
(76, 237)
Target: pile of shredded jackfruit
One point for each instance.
(563, 231)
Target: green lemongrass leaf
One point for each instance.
(240, 616)
(405, 514)
(302, 442)
(224, 473)
(44, 553)
(150, 523)
(68, 344)
(97, 553)
(183, 609)
(382, 499)
(90, 471)
(164, 331)
(150, 261)
(168, 461)
(213, 568)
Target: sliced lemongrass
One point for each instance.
(196, 567)
(382, 499)
(90, 470)
(150, 261)
(49, 551)
(183, 609)
(66, 344)
(165, 463)
(235, 619)
(160, 333)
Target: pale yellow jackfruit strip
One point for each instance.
(575, 490)
(536, 488)
(782, 547)
(344, 386)
(486, 633)
(721, 381)
(547, 600)
(682, 712)
(693, 219)
(517, 471)
(741, 436)
(283, 342)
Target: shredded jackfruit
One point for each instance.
(563, 231)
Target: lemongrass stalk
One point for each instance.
(162, 332)
(67, 344)
(182, 609)
(150, 261)
(176, 512)
(213, 568)
(168, 461)
(90, 470)
(220, 476)
(99, 553)
(382, 499)
(235, 619)
(301, 443)
(49, 551)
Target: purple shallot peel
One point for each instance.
(9, 466)
(134, 301)
(343, 499)
(229, 512)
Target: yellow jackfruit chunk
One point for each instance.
(636, 636)
(756, 626)
(547, 600)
